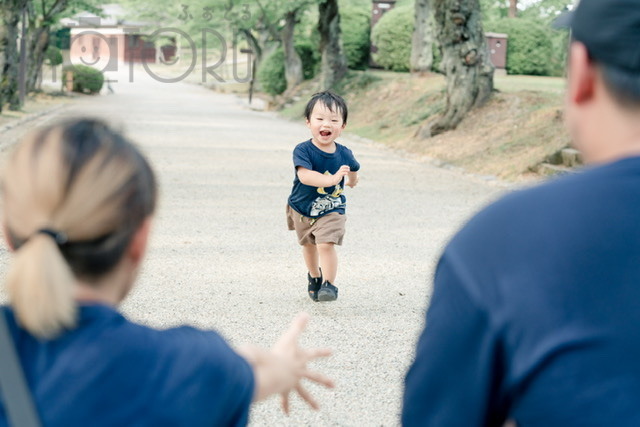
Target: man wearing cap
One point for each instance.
(535, 314)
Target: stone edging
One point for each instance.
(30, 117)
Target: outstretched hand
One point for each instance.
(297, 358)
(281, 369)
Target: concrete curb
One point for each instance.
(30, 117)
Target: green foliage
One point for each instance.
(270, 74)
(547, 10)
(355, 26)
(560, 49)
(53, 56)
(529, 46)
(85, 79)
(310, 56)
(61, 38)
(356, 81)
(392, 36)
(492, 10)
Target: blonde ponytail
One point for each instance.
(89, 185)
(40, 288)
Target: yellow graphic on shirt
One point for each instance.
(337, 191)
(327, 202)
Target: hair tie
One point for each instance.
(59, 237)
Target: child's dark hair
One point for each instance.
(333, 102)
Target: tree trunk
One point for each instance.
(39, 38)
(465, 60)
(421, 47)
(513, 8)
(254, 45)
(38, 43)
(9, 85)
(292, 61)
(334, 61)
(3, 48)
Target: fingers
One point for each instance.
(295, 328)
(285, 403)
(319, 378)
(344, 169)
(306, 396)
(315, 353)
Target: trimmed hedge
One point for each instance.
(355, 26)
(529, 47)
(271, 75)
(53, 56)
(310, 57)
(85, 79)
(392, 36)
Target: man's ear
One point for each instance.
(582, 75)
(138, 245)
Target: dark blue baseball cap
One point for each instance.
(609, 29)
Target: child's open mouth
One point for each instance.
(325, 133)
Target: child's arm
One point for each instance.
(316, 179)
(353, 179)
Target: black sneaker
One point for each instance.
(314, 286)
(327, 292)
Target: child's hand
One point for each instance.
(353, 179)
(342, 172)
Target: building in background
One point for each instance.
(104, 41)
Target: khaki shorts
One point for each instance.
(329, 228)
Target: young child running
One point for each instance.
(316, 208)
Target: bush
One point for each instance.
(559, 43)
(310, 56)
(85, 79)
(392, 36)
(355, 26)
(529, 47)
(53, 56)
(270, 74)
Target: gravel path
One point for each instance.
(221, 256)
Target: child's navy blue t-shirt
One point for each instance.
(315, 202)
(112, 372)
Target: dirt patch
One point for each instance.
(507, 138)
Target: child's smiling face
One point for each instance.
(325, 125)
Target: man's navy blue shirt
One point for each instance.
(535, 315)
(315, 202)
